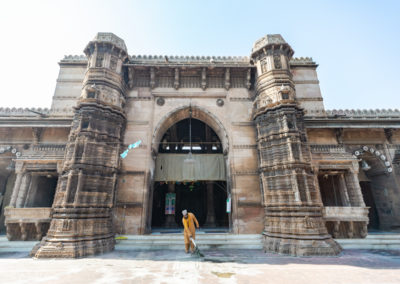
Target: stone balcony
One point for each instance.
(346, 222)
(27, 223)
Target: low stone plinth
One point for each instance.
(27, 223)
(346, 222)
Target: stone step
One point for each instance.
(121, 247)
(369, 241)
(372, 241)
(383, 236)
(175, 241)
(370, 246)
(211, 241)
(200, 236)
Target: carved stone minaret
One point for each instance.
(81, 222)
(293, 207)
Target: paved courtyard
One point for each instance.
(218, 266)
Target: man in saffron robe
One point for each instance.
(189, 231)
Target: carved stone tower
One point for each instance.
(293, 207)
(81, 222)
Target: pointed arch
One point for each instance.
(181, 113)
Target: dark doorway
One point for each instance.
(43, 191)
(220, 196)
(330, 190)
(369, 202)
(158, 210)
(191, 196)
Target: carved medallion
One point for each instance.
(160, 101)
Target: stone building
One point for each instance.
(243, 142)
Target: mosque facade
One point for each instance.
(244, 143)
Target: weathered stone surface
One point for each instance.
(81, 222)
(293, 211)
(292, 167)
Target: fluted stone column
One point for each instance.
(23, 189)
(81, 222)
(344, 191)
(293, 208)
(17, 185)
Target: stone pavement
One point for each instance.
(218, 266)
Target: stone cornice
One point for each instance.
(379, 118)
(27, 122)
(176, 61)
(352, 113)
(231, 61)
(359, 124)
(303, 62)
(35, 112)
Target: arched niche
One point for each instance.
(181, 113)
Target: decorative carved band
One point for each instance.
(245, 146)
(247, 173)
(315, 148)
(189, 94)
(306, 81)
(49, 147)
(40, 166)
(139, 98)
(309, 99)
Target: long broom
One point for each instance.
(196, 249)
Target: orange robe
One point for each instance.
(189, 230)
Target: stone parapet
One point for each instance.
(27, 223)
(302, 61)
(74, 58)
(34, 112)
(345, 213)
(346, 222)
(356, 113)
(316, 148)
(193, 59)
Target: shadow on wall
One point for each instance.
(6, 188)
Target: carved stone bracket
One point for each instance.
(37, 134)
(339, 135)
(227, 78)
(152, 78)
(389, 134)
(248, 77)
(203, 78)
(176, 79)
(131, 75)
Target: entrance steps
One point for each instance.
(378, 241)
(385, 241)
(203, 240)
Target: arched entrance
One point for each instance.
(190, 172)
(375, 177)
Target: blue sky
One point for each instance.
(355, 43)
